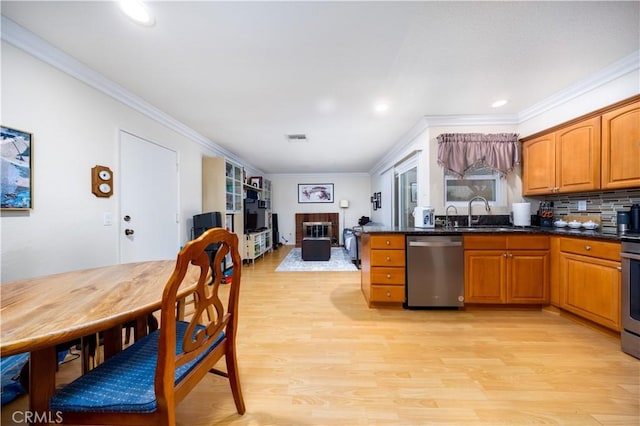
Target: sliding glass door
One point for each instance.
(406, 193)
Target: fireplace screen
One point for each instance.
(316, 230)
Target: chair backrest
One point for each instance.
(203, 331)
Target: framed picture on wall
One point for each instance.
(315, 193)
(256, 181)
(16, 186)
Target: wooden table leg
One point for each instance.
(141, 328)
(112, 341)
(42, 381)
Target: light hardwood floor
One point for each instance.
(311, 353)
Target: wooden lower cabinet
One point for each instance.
(590, 279)
(528, 276)
(383, 268)
(485, 276)
(506, 269)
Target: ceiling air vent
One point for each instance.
(296, 137)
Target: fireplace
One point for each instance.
(317, 225)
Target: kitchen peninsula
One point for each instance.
(519, 267)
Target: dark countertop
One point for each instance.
(533, 230)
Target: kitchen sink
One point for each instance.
(488, 228)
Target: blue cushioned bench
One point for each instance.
(124, 382)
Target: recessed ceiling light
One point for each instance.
(381, 107)
(498, 104)
(137, 11)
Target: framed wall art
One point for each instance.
(16, 186)
(255, 181)
(315, 193)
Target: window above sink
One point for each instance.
(480, 181)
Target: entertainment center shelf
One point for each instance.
(257, 244)
(245, 203)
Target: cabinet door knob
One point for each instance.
(587, 248)
(388, 294)
(388, 276)
(388, 259)
(510, 255)
(504, 254)
(388, 242)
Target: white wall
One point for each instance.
(436, 173)
(619, 89)
(354, 187)
(74, 128)
(431, 176)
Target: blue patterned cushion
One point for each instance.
(10, 368)
(125, 382)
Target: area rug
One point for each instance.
(339, 261)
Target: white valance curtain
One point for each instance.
(458, 152)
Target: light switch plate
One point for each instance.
(107, 219)
(582, 205)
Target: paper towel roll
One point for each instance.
(521, 214)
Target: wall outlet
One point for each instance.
(582, 205)
(107, 219)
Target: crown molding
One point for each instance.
(400, 148)
(614, 71)
(27, 41)
(472, 120)
(403, 146)
(30, 43)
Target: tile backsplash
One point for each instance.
(604, 204)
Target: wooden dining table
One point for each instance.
(38, 314)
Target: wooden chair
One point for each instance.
(143, 384)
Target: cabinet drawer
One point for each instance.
(387, 293)
(528, 242)
(485, 242)
(388, 276)
(584, 247)
(388, 241)
(387, 258)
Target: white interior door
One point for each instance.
(149, 200)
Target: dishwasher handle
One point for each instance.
(435, 243)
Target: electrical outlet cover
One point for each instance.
(582, 205)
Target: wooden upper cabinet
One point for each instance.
(578, 157)
(597, 151)
(621, 147)
(567, 160)
(539, 170)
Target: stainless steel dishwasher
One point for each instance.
(435, 271)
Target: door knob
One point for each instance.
(128, 232)
(127, 218)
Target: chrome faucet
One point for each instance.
(447, 224)
(486, 206)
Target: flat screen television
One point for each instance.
(204, 221)
(250, 221)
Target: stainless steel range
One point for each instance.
(630, 336)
